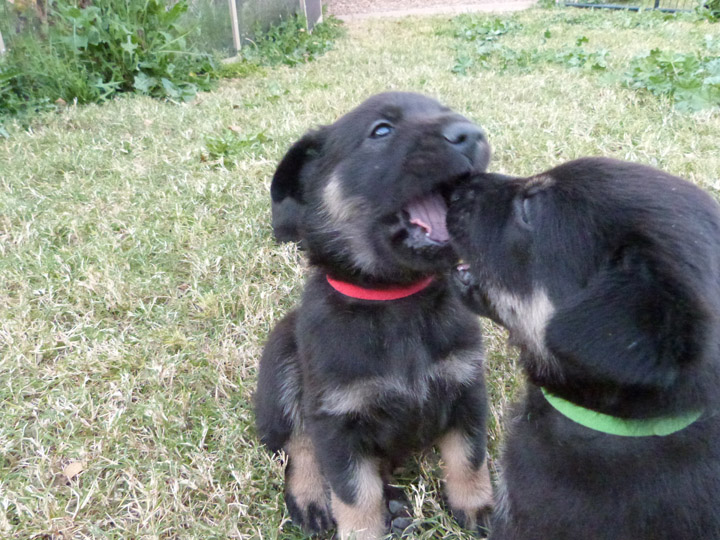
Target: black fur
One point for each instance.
(371, 381)
(628, 258)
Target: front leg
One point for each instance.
(306, 494)
(467, 479)
(357, 499)
(361, 516)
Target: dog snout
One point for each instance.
(464, 137)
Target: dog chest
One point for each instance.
(398, 367)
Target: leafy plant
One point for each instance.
(709, 10)
(289, 43)
(87, 53)
(578, 57)
(135, 45)
(465, 60)
(503, 58)
(284, 43)
(484, 34)
(475, 28)
(690, 79)
(233, 145)
(547, 4)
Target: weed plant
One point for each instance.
(710, 10)
(87, 54)
(285, 43)
(690, 79)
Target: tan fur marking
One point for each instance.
(468, 489)
(338, 207)
(345, 217)
(364, 520)
(306, 483)
(355, 397)
(526, 318)
(541, 181)
(460, 369)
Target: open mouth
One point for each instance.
(424, 220)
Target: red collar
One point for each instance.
(392, 293)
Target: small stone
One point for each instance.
(397, 507)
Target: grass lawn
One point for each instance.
(138, 277)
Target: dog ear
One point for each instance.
(637, 322)
(286, 190)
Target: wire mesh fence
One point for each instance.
(214, 25)
(211, 19)
(224, 26)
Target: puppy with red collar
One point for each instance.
(380, 359)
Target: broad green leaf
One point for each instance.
(144, 83)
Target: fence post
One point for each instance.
(235, 26)
(312, 9)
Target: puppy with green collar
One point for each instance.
(607, 276)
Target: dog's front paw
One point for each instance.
(313, 516)
(476, 520)
(307, 495)
(467, 485)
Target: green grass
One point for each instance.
(139, 279)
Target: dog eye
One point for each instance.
(382, 129)
(523, 210)
(526, 210)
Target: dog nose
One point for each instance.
(464, 136)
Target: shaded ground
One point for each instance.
(349, 9)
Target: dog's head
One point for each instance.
(366, 195)
(606, 272)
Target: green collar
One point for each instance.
(625, 427)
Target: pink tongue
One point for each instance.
(429, 213)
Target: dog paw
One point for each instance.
(476, 520)
(313, 517)
(307, 495)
